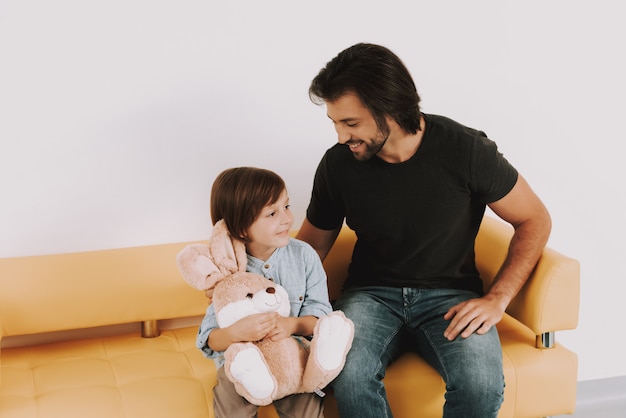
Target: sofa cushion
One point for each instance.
(118, 376)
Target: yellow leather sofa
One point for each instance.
(111, 333)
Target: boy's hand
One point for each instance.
(284, 328)
(254, 327)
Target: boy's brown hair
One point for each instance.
(239, 195)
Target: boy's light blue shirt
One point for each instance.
(296, 267)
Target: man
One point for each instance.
(414, 188)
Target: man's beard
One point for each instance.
(372, 148)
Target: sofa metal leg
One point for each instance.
(545, 340)
(150, 329)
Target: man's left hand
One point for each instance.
(473, 316)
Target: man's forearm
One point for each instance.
(526, 246)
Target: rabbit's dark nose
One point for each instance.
(270, 290)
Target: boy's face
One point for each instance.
(271, 229)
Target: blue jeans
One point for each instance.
(389, 321)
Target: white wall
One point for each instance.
(116, 115)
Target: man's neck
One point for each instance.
(401, 146)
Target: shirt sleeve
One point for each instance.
(316, 301)
(325, 210)
(492, 176)
(209, 323)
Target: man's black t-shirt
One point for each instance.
(416, 221)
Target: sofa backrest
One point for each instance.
(87, 289)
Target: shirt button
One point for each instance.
(266, 266)
(300, 298)
(270, 279)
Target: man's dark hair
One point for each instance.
(378, 77)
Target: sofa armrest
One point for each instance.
(549, 301)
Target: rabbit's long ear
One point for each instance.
(240, 254)
(203, 266)
(197, 266)
(228, 253)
